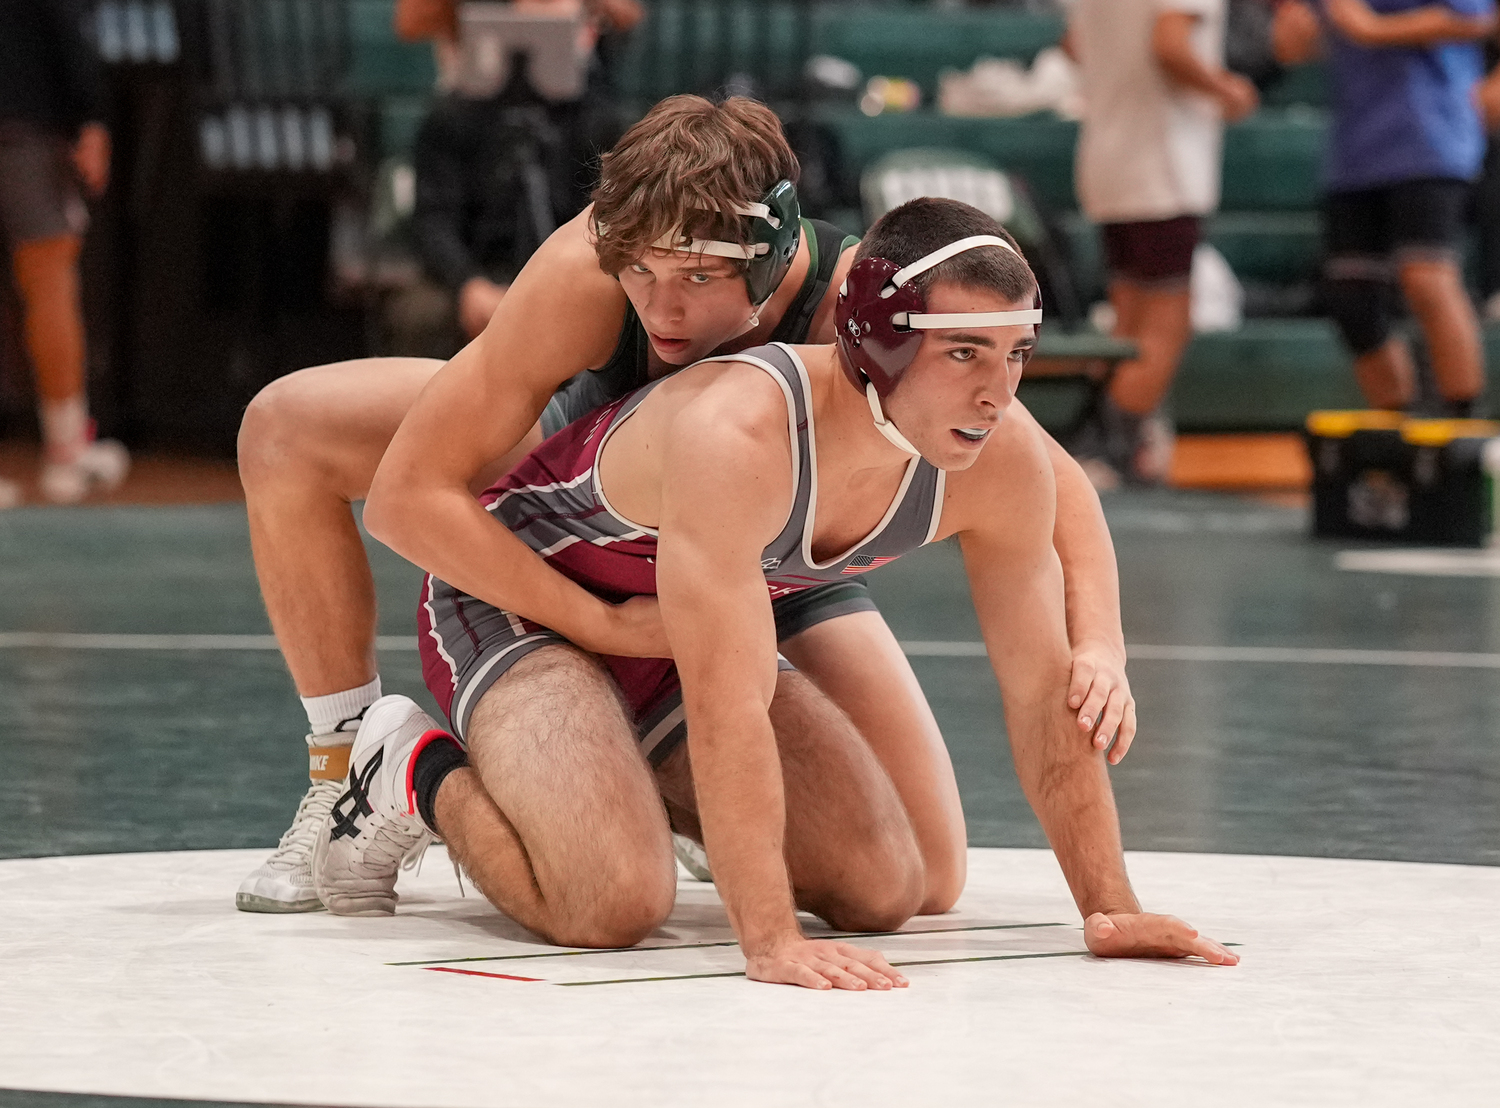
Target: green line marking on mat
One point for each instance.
(924, 962)
(1137, 652)
(729, 942)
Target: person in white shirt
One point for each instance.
(1147, 167)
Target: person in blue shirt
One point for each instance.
(1406, 145)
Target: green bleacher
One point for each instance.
(1267, 375)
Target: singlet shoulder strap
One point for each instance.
(825, 244)
(784, 367)
(628, 361)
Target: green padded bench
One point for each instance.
(918, 43)
(1271, 161)
(770, 39)
(1269, 247)
(1269, 374)
(1067, 376)
(1266, 376)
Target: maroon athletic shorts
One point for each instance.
(1152, 252)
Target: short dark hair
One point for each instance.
(915, 229)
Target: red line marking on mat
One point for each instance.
(480, 973)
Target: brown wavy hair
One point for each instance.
(686, 165)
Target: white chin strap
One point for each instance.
(676, 240)
(926, 321)
(891, 432)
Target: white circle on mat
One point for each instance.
(1361, 982)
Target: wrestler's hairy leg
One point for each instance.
(856, 661)
(850, 851)
(309, 445)
(557, 819)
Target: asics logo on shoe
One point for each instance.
(356, 802)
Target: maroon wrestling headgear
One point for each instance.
(881, 317)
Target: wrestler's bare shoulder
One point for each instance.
(731, 401)
(562, 290)
(720, 421)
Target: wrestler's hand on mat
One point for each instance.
(631, 630)
(1143, 935)
(1100, 693)
(822, 964)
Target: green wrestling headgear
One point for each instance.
(775, 233)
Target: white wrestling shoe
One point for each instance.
(693, 857)
(373, 831)
(284, 883)
(100, 468)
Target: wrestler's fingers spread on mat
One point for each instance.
(1179, 939)
(867, 965)
(821, 964)
(1213, 952)
(843, 977)
(785, 971)
(1147, 935)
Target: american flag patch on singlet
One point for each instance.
(861, 562)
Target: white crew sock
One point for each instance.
(333, 717)
(65, 428)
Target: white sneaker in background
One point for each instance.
(373, 831)
(1155, 446)
(284, 882)
(99, 468)
(10, 494)
(693, 857)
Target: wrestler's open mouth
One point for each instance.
(973, 434)
(661, 342)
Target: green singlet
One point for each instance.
(628, 369)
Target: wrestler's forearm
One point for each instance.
(1091, 579)
(1068, 787)
(447, 533)
(742, 810)
(1018, 598)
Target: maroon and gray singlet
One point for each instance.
(553, 502)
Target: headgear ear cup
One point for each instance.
(780, 228)
(775, 234)
(871, 347)
(881, 314)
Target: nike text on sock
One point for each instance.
(339, 713)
